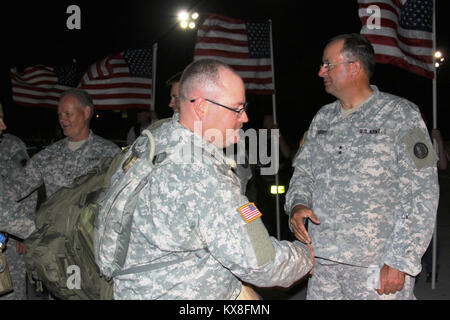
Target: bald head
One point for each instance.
(212, 96)
(202, 74)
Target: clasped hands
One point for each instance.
(391, 280)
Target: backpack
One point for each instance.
(113, 226)
(59, 252)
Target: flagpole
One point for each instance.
(275, 122)
(155, 51)
(433, 274)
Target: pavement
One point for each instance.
(423, 290)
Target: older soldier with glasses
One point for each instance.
(366, 179)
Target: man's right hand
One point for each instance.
(299, 213)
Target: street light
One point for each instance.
(438, 59)
(187, 20)
(183, 16)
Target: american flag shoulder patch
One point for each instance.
(249, 212)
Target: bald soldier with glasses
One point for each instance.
(192, 219)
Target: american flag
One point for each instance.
(121, 81)
(245, 46)
(41, 85)
(249, 212)
(405, 36)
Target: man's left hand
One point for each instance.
(391, 280)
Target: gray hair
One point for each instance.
(203, 72)
(357, 46)
(83, 98)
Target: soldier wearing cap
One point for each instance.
(366, 179)
(16, 218)
(192, 216)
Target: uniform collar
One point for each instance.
(200, 142)
(363, 111)
(88, 141)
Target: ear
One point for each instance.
(87, 112)
(200, 108)
(356, 69)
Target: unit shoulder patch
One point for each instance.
(419, 148)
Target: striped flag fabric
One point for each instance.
(245, 46)
(121, 81)
(403, 35)
(41, 86)
(249, 212)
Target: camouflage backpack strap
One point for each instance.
(113, 225)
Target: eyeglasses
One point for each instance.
(238, 111)
(329, 66)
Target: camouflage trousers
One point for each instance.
(16, 265)
(336, 281)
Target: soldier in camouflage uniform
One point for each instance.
(366, 178)
(16, 218)
(192, 216)
(60, 163)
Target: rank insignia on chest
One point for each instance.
(249, 212)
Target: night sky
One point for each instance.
(36, 33)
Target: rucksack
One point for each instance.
(113, 226)
(59, 252)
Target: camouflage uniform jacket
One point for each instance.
(371, 180)
(57, 166)
(15, 217)
(189, 213)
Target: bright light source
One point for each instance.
(438, 54)
(187, 19)
(277, 189)
(183, 16)
(436, 64)
(183, 24)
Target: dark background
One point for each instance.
(36, 33)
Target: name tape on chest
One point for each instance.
(369, 131)
(249, 212)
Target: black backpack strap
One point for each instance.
(152, 266)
